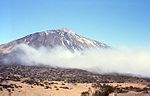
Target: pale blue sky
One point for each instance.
(115, 22)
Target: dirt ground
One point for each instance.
(63, 89)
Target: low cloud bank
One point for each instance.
(123, 60)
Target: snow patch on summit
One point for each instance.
(53, 38)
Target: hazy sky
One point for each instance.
(115, 22)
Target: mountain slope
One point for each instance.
(52, 38)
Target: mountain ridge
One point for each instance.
(52, 38)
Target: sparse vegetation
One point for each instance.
(36, 74)
(103, 90)
(64, 87)
(48, 87)
(85, 93)
(1, 89)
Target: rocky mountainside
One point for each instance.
(52, 38)
(16, 72)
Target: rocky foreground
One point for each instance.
(47, 81)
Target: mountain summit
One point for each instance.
(52, 38)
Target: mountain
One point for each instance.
(52, 38)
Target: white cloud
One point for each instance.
(123, 60)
